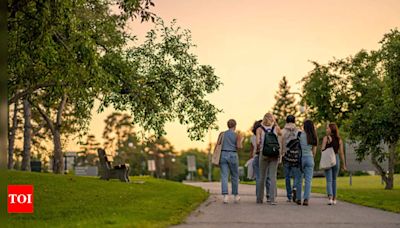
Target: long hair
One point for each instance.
(256, 125)
(268, 119)
(334, 130)
(311, 133)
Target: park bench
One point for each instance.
(108, 171)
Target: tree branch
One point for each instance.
(381, 171)
(29, 91)
(45, 117)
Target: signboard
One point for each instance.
(191, 163)
(86, 171)
(151, 165)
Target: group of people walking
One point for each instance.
(293, 146)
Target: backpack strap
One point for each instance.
(265, 130)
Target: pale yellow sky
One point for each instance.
(252, 44)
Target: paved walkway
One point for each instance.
(213, 213)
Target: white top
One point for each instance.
(254, 143)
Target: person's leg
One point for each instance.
(261, 182)
(256, 169)
(308, 167)
(288, 175)
(298, 182)
(328, 176)
(272, 170)
(224, 168)
(335, 173)
(234, 168)
(267, 183)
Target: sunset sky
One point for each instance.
(252, 44)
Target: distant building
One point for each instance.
(365, 165)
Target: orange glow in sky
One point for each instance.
(252, 44)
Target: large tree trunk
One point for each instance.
(55, 128)
(392, 162)
(387, 176)
(380, 169)
(11, 137)
(58, 164)
(26, 158)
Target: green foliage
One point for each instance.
(324, 91)
(64, 56)
(71, 201)
(163, 81)
(88, 155)
(285, 103)
(362, 93)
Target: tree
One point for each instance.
(11, 136)
(285, 102)
(89, 151)
(55, 51)
(65, 56)
(163, 82)
(118, 128)
(325, 93)
(368, 105)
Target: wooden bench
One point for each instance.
(117, 172)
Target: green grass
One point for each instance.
(366, 191)
(70, 201)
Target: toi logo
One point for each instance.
(20, 199)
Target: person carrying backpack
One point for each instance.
(291, 152)
(269, 156)
(255, 155)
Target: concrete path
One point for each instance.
(213, 213)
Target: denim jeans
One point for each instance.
(331, 175)
(290, 172)
(256, 170)
(308, 172)
(229, 164)
(268, 168)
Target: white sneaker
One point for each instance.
(330, 202)
(226, 199)
(334, 202)
(274, 203)
(237, 198)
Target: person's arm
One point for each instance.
(314, 150)
(324, 140)
(239, 141)
(341, 154)
(282, 150)
(251, 150)
(278, 129)
(219, 138)
(258, 139)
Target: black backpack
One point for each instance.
(271, 144)
(293, 152)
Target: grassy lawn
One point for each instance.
(366, 190)
(70, 201)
